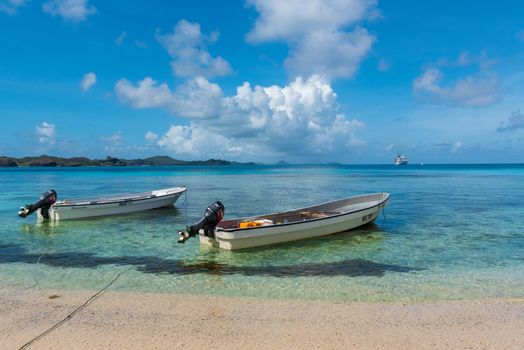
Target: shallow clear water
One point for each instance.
(449, 232)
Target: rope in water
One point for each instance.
(68, 317)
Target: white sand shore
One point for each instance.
(162, 321)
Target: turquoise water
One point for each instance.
(449, 232)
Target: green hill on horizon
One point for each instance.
(52, 161)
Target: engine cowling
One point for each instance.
(45, 202)
(213, 215)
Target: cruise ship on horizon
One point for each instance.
(401, 160)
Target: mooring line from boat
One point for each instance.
(78, 309)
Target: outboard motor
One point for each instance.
(213, 215)
(47, 199)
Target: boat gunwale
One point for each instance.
(384, 200)
(95, 202)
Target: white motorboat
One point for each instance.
(401, 160)
(319, 220)
(51, 209)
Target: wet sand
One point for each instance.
(118, 320)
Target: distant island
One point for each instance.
(51, 161)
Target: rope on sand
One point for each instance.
(68, 317)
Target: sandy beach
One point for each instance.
(120, 320)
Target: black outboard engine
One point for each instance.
(214, 213)
(47, 199)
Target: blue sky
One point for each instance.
(353, 81)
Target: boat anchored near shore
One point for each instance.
(49, 208)
(315, 221)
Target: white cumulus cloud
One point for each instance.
(146, 94)
(11, 6)
(113, 142)
(69, 10)
(46, 133)
(480, 88)
(88, 81)
(288, 20)
(188, 48)
(300, 118)
(151, 136)
(196, 140)
(197, 98)
(315, 31)
(330, 53)
(473, 90)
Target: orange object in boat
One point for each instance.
(255, 223)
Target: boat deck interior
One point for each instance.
(125, 197)
(311, 213)
(121, 197)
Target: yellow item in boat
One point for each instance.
(255, 223)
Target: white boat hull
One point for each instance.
(114, 206)
(288, 232)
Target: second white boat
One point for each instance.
(51, 209)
